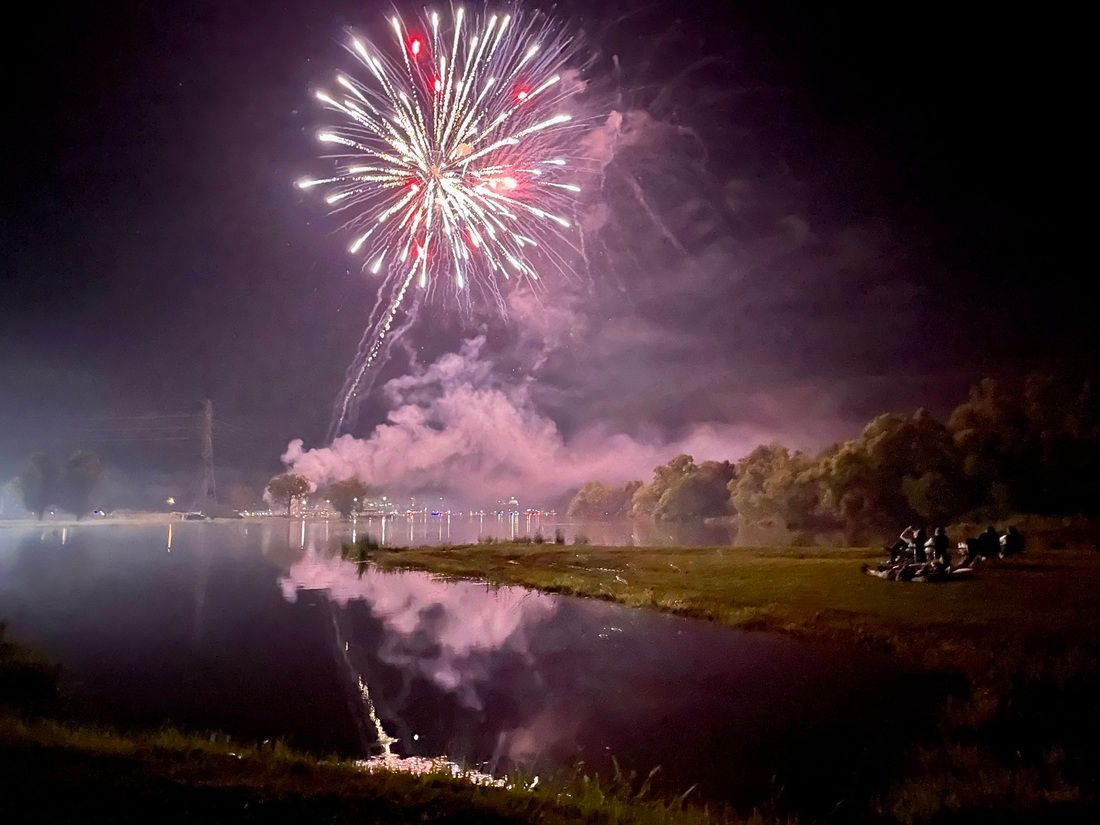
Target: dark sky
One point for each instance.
(869, 206)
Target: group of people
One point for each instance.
(918, 555)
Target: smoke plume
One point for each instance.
(455, 425)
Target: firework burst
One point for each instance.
(451, 165)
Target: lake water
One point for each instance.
(261, 630)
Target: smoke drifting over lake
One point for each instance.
(456, 425)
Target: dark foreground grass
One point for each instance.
(1018, 737)
(56, 773)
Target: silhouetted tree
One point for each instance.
(80, 476)
(287, 487)
(345, 495)
(864, 480)
(1028, 445)
(38, 484)
(1031, 445)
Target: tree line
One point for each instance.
(344, 496)
(70, 485)
(1030, 445)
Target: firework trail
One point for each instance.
(452, 165)
(374, 350)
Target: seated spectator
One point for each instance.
(1012, 542)
(940, 545)
(989, 543)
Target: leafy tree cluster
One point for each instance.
(596, 500)
(288, 487)
(345, 496)
(70, 485)
(1026, 446)
(685, 491)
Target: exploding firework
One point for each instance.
(452, 166)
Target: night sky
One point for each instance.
(871, 207)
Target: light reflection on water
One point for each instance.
(263, 631)
(452, 528)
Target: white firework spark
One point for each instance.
(452, 165)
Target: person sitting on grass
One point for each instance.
(900, 547)
(989, 543)
(972, 551)
(940, 545)
(920, 539)
(1012, 542)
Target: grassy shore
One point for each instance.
(1019, 735)
(59, 773)
(810, 591)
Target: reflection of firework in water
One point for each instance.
(450, 164)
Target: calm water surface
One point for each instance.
(263, 631)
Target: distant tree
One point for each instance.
(864, 480)
(773, 486)
(38, 484)
(648, 496)
(596, 500)
(700, 492)
(1031, 444)
(80, 476)
(287, 487)
(937, 499)
(345, 495)
(996, 446)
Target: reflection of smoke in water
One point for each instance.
(461, 619)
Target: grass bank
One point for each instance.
(809, 591)
(1018, 738)
(59, 773)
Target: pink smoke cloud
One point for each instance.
(456, 426)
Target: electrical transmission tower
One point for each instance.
(208, 493)
(154, 437)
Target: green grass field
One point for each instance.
(809, 591)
